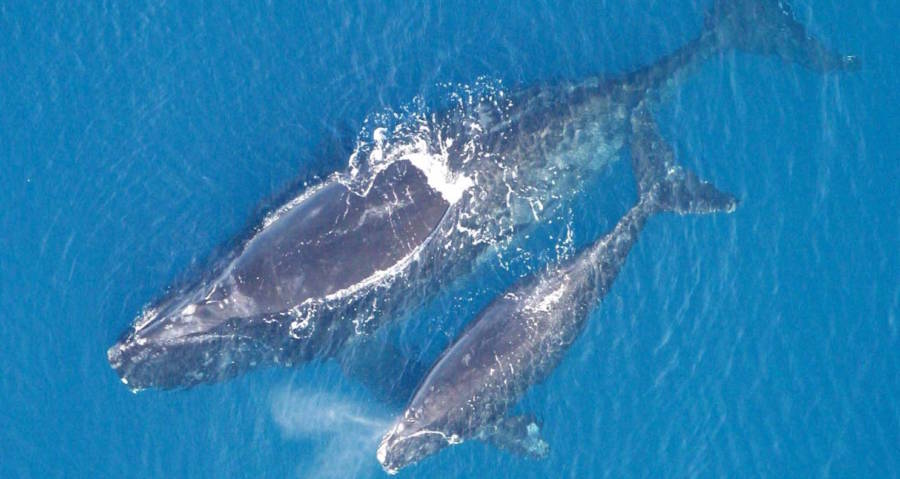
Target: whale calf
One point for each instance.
(519, 338)
(422, 202)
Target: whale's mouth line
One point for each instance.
(388, 444)
(138, 361)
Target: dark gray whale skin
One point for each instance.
(337, 262)
(519, 338)
(330, 240)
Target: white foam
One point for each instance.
(439, 177)
(414, 149)
(548, 302)
(281, 211)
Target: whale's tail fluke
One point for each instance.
(768, 27)
(762, 27)
(664, 185)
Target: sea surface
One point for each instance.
(138, 138)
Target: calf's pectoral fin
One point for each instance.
(520, 435)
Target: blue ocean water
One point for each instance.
(137, 138)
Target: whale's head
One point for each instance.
(410, 440)
(187, 339)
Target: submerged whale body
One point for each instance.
(519, 338)
(420, 204)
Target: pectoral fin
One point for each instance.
(520, 435)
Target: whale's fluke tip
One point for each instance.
(768, 27)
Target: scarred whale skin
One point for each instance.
(347, 255)
(517, 340)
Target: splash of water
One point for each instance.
(442, 142)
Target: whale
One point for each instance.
(524, 333)
(422, 202)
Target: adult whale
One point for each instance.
(421, 201)
(519, 338)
